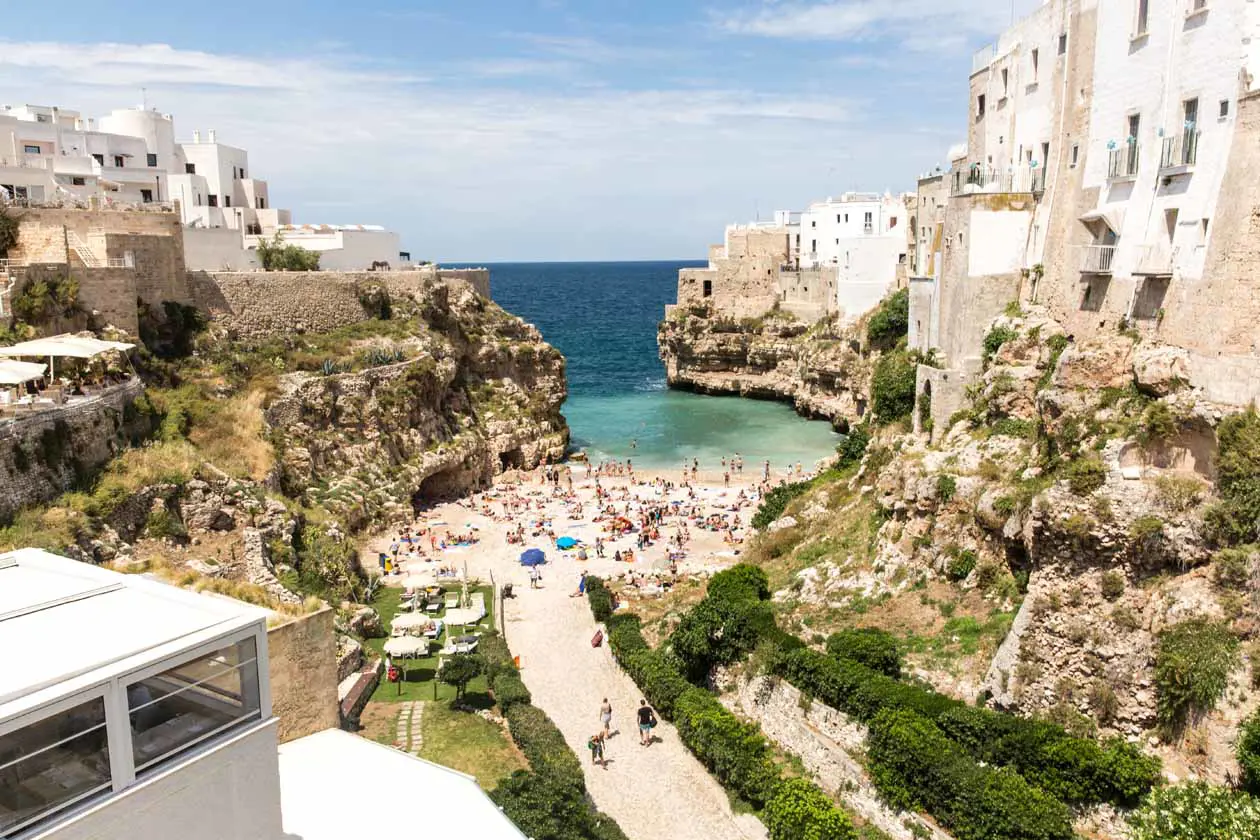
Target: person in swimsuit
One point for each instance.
(605, 716)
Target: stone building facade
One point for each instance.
(741, 278)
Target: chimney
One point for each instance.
(211, 135)
(196, 136)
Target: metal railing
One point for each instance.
(983, 179)
(1180, 150)
(1039, 180)
(1123, 162)
(1155, 260)
(982, 58)
(1097, 259)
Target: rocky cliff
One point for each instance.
(821, 369)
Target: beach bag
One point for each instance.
(652, 721)
(597, 639)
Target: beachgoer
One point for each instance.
(647, 720)
(605, 716)
(596, 745)
(581, 587)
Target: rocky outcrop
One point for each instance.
(820, 370)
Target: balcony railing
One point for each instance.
(1155, 260)
(983, 179)
(868, 228)
(1039, 180)
(1180, 150)
(982, 58)
(1096, 259)
(1123, 162)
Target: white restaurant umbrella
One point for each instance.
(406, 647)
(71, 346)
(410, 621)
(15, 373)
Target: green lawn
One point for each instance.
(420, 682)
(466, 742)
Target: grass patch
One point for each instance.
(467, 743)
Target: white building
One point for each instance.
(863, 237)
(131, 157)
(133, 709)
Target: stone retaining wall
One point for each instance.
(303, 668)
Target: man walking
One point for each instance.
(647, 720)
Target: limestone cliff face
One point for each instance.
(820, 371)
(477, 392)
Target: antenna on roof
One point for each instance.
(144, 99)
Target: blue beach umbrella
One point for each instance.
(565, 543)
(533, 557)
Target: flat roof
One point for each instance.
(67, 625)
(412, 795)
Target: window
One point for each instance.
(190, 169)
(1063, 43)
(1036, 56)
(51, 764)
(1143, 16)
(234, 172)
(892, 222)
(1135, 125)
(78, 181)
(813, 246)
(813, 223)
(1190, 114)
(32, 149)
(1006, 81)
(980, 106)
(1198, 6)
(708, 288)
(185, 705)
(846, 218)
(99, 159)
(837, 218)
(261, 204)
(119, 162)
(151, 160)
(42, 118)
(1224, 108)
(227, 201)
(212, 200)
(242, 173)
(146, 196)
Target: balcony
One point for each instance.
(1097, 259)
(1123, 162)
(982, 179)
(1155, 260)
(1179, 151)
(982, 58)
(868, 228)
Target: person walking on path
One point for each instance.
(605, 717)
(647, 720)
(596, 745)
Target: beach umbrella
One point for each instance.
(565, 543)
(533, 557)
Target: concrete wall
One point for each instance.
(217, 249)
(809, 293)
(303, 667)
(82, 437)
(232, 790)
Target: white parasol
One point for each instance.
(407, 647)
(411, 621)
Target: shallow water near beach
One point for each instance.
(603, 317)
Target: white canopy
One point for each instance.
(407, 647)
(410, 621)
(15, 373)
(1112, 215)
(464, 617)
(73, 346)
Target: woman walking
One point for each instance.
(605, 717)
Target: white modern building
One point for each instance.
(862, 236)
(133, 709)
(50, 155)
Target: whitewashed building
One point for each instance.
(135, 710)
(862, 236)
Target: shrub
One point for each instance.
(741, 582)
(1247, 751)
(1156, 425)
(1112, 585)
(1146, 528)
(545, 807)
(163, 524)
(891, 320)
(1195, 811)
(1192, 664)
(10, 224)
(509, 691)
(961, 563)
(1231, 567)
(496, 654)
(995, 338)
(275, 255)
(776, 501)
(892, 387)
(1236, 518)
(800, 811)
(853, 447)
(45, 298)
(726, 625)
(1085, 475)
(461, 669)
(543, 744)
(1011, 427)
(869, 646)
(656, 673)
(946, 487)
(734, 751)
(916, 766)
(1178, 493)
(600, 598)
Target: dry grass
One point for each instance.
(379, 722)
(229, 434)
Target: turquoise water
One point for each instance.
(603, 317)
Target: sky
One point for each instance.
(500, 130)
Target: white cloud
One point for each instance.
(487, 171)
(916, 24)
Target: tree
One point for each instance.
(275, 255)
(460, 670)
(9, 224)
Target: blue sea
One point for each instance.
(603, 317)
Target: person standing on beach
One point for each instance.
(605, 717)
(596, 745)
(647, 720)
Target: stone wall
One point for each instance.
(108, 294)
(45, 454)
(826, 741)
(256, 304)
(303, 668)
(808, 293)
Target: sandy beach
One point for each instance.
(652, 791)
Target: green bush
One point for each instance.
(509, 691)
(1112, 585)
(994, 339)
(543, 744)
(497, 656)
(892, 386)
(1247, 752)
(1085, 475)
(853, 447)
(600, 598)
(1231, 567)
(545, 807)
(45, 298)
(1236, 518)
(961, 563)
(1196, 811)
(275, 255)
(741, 582)
(461, 669)
(735, 752)
(891, 321)
(657, 674)
(1011, 427)
(776, 501)
(800, 811)
(946, 487)
(1193, 660)
(869, 646)
(916, 766)
(726, 625)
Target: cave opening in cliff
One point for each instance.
(513, 459)
(443, 486)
